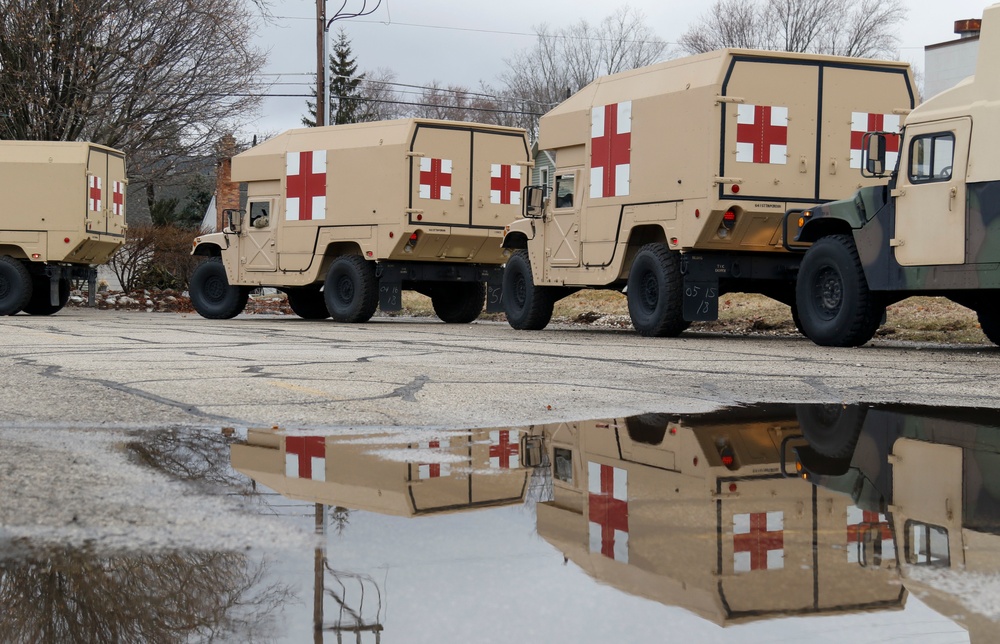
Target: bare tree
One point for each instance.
(564, 60)
(379, 101)
(860, 28)
(160, 79)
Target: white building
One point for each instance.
(947, 63)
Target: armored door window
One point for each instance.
(927, 545)
(259, 214)
(565, 188)
(932, 157)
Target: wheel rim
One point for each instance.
(345, 289)
(649, 291)
(828, 293)
(215, 289)
(520, 291)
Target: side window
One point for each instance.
(931, 158)
(544, 178)
(565, 188)
(260, 214)
(927, 545)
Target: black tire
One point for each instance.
(40, 302)
(796, 320)
(835, 306)
(832, 430)
(15, 286)
(655, 298)
(458, 303)
(528, 307)
(351, 289)
(211, 294)
(989, 321)
(307, 303)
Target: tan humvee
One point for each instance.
(64, 214)
(462, 472)
(365, 211)
(673, 180)
(694, 512)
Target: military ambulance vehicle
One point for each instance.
(456, 473)
(344, 218)
(64, 214)
(672, 180)
(935, 472)
(692, 511)
(933, 229)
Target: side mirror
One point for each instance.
(234, 220)
(534, 201)
(874, 147)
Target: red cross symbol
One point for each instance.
(608, 511)
(433, 470)
(94, 194)
(435, 178)
(875, 123)
(118, 198)
(758, 541)
(502, 447)
(870, 522)
(505, 184)
(758, 128)
(305, 457)
(610, 149)
(305, 188)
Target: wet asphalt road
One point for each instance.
(96, 368)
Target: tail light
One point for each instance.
(729, 219)
(411, 242)
(728, 456)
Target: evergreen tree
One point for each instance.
(345, 95)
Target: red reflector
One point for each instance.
(732, 487)
(696, 461)
(673, 240)
(66, 240)
(697, 213)
(391, 234)
(736, 190)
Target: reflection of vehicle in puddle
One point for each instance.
(457, 472)
(376, 473)
(935, 473)
(693, 511)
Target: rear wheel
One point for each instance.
(458, 303)
(351, 289)
(308, 303)
(15, 286)
(654, 292)
(835, 306)
(212, 295)
(41, 300)
(528, 307)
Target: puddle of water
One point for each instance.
(819, 521)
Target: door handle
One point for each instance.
(951, 198)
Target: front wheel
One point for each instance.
(835, 306)
(307, 303)
(458, 303)
(351, 289)
(15, 286)
(212, 295)
(41, 297)
(528, 307)
(655, 301)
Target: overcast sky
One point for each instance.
(465, 42)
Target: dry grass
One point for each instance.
(923, 319)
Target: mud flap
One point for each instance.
(390, 288)
(701, 300)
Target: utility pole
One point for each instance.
(321, 64)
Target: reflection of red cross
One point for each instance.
(762, 134)
(608, 512)
(433, 469)
(435, 178)
(758, 541)
(306, 448)
(118, 198)
(505, 449)
(95, 193)
(506, 184)
(876, 123)
(610, 150)
(869, 523)
(305, 185)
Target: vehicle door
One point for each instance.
(562, 221)
(106, 192)
(440, 180)
(257, 243)
(931, 196)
